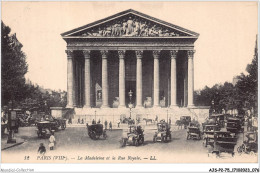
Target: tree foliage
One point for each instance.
(241, 96)
(14, 67)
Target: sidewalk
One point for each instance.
(5, 145)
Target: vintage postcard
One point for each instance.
(129, 82)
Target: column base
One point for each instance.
(139, 106)
(156, 106)
(104, 106)
(121, 106)
(69, 106)
(173, 106)
(191, 106)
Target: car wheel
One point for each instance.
(104, 135)
(137, 143)
(142, 140)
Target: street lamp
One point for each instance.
(167, 115)
(130, 107)
(130, 94)
(95, 116)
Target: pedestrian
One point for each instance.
(78, 121)
(110, 126)
(170, 121)
(82, 121)
(99, 121)
(93, 121)
(106, 125)
(52, 141)
(70, 120)
(42, 149)
(118, 123)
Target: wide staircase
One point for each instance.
(115, 114)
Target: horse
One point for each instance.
(148, 120)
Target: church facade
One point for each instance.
(130, 59)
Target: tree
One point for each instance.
(14, 67)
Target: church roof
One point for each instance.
(115, 23)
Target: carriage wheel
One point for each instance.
(104, 135)
(252, 153)
(136, 142)
(142, 140)
(154, 139)
(239, 150)
(170, 136)
(243, 147)
(165, 139)
(123, 142)
(162, 139)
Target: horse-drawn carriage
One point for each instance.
(218, 119)
(208, 134)
(184, 120)
(134, 136)
(224, 142)
(95, 131)
(163, 132)
(250, 145)
(234, 125)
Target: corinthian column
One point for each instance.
(173, 78)
(70, 80)
(156, 80)
(121, 54)
(104, 79)
(190, 78)
(139, 80)
(87, 78)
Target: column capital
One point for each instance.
(104, 53)
(69, 53)
(156, 53)
(121, 54)
(139, 53)
(174, 54)
(86, 54)
(191, 53)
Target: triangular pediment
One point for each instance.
(130, 23)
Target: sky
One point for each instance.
(224, 48)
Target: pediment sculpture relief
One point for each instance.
(129, 27)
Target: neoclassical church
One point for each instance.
(132, 60)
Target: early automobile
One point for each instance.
(44, 128)
(60, 122)
(224, 142)
(208, 134)
(134, 136)
(95, 131)
(234, 125)
(163, 132)
(250, 145)
(193, 133)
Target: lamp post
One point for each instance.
(130, 94)
(130, 107)
(167, 115)
(95, 116)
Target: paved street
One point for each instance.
(76, 140)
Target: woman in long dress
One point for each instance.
(52, 141)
